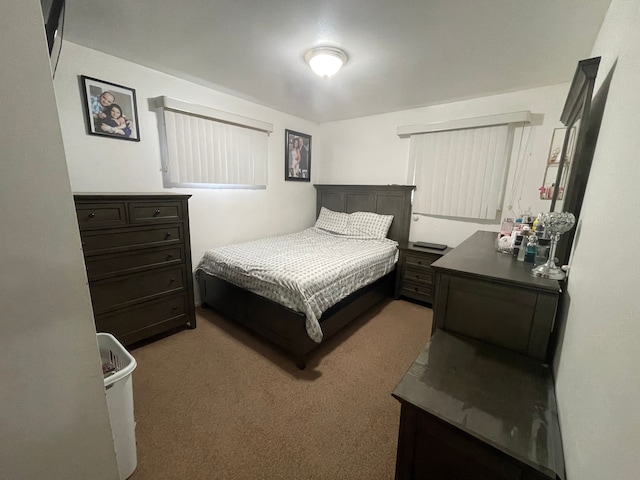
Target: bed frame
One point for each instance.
(286, 327)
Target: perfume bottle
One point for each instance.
(530, 249)
(523, 248)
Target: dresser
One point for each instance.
(415, 278)
(138, 258)
(470, 410)
(492, 297)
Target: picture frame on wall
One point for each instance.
(297, 156)
(110, 109)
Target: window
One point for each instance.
(203, 147)
(460, 167)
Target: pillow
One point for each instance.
(332, 221)
(369, 224)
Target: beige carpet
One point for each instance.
(218, 402)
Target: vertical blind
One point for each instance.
(460, 173)
(203, 147)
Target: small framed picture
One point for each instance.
(110, 109)
(297, 156)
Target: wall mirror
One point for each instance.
(574, 164)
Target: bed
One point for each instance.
(299, 325)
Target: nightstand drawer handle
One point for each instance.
(92, 215)
(156, 213)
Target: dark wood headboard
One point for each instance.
(383, 199)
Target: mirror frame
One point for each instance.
(577, 108)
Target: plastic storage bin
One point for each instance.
(118, 364)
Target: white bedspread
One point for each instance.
(308, 271)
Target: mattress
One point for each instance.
(307, 271)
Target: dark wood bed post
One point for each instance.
(286, 327)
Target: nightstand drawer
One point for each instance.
(418, 275)
(420, 260)
(417, 291)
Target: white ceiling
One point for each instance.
(402, 54)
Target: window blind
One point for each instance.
(460, 173)
(202, 151)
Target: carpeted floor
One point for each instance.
(218, 402)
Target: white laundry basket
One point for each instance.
(119, 391)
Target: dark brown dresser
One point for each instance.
(415, 277)
(138, 258)
(492, 297)
(470, 410)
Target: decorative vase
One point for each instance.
(555, 224)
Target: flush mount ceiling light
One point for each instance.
(325, 61)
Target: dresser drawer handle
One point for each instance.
(416, 289)
(156, 213)
(167, 235)
(174, 308)
(170, 256)
(92, 215)
(419, 262)
(171, 280)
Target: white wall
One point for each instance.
(367, 150)
(53, 413)
(217, 217)
(598, 377)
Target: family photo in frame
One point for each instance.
(297, 162)
(110, 109)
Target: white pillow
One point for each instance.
(369, 224)
(332, 221)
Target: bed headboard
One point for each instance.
(383, 199)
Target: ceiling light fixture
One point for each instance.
(325, 61)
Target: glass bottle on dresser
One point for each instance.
(530, 249)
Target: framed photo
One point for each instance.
(110, 109)
(297, 156)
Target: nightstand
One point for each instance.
(415, 276)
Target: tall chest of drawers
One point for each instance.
(138, 258)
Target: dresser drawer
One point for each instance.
(130, 262)
(118, 292)
(417, 291)
(155, 212)
(119, 240)
(141, 321)
(420, 260)
(422, 275)
(100, 215)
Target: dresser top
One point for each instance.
(127, 195)
(478, 256)
(502, 398)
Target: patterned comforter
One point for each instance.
(308, 271)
